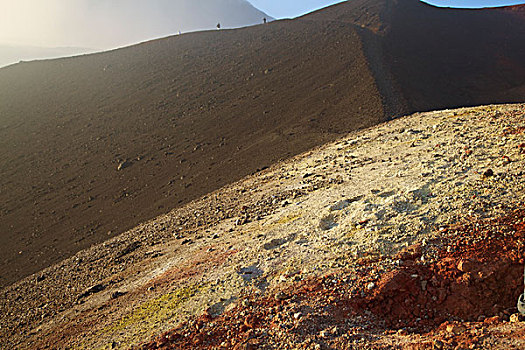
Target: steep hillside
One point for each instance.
(95, 145)
(428, 49)
(185, 115)
(405, 235)
(440, 57)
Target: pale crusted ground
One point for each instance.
(373, 192)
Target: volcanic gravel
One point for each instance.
(409, 229)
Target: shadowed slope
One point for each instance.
(445, 58)
(433, 58)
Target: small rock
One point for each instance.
(92, 290)
(327, 223)
(281, 296)
(492, 320)
(424, 285)
(438, 345)
(274, 243)
(340, 205)
(241, 221)
(402, 332)
(40, 278)
(117, 294)
(250, 322)
(297, 315)
(363, 222)
(370, 286)
(130, 248)
(123, 165)
(455, 329)
(466, 266)
(488, 173)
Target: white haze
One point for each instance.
(106, 24)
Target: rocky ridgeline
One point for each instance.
(354, 205)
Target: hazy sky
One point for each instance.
(103, 24)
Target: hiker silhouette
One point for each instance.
(218, 26)
(264, 20)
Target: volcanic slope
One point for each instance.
(439, 57)
(369, 242)
(94, 145)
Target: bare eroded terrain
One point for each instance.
(407, 233)
(93, 146)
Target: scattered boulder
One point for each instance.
(117, 294)
(466, 265)
(92, 290)
(340, 205)
(128, 249)
(280, 296)
(488, 173)
(516, 318)
(123, 165)
(327, 222)
(274, 243)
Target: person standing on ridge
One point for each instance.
(218, 26)
(264, 20)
